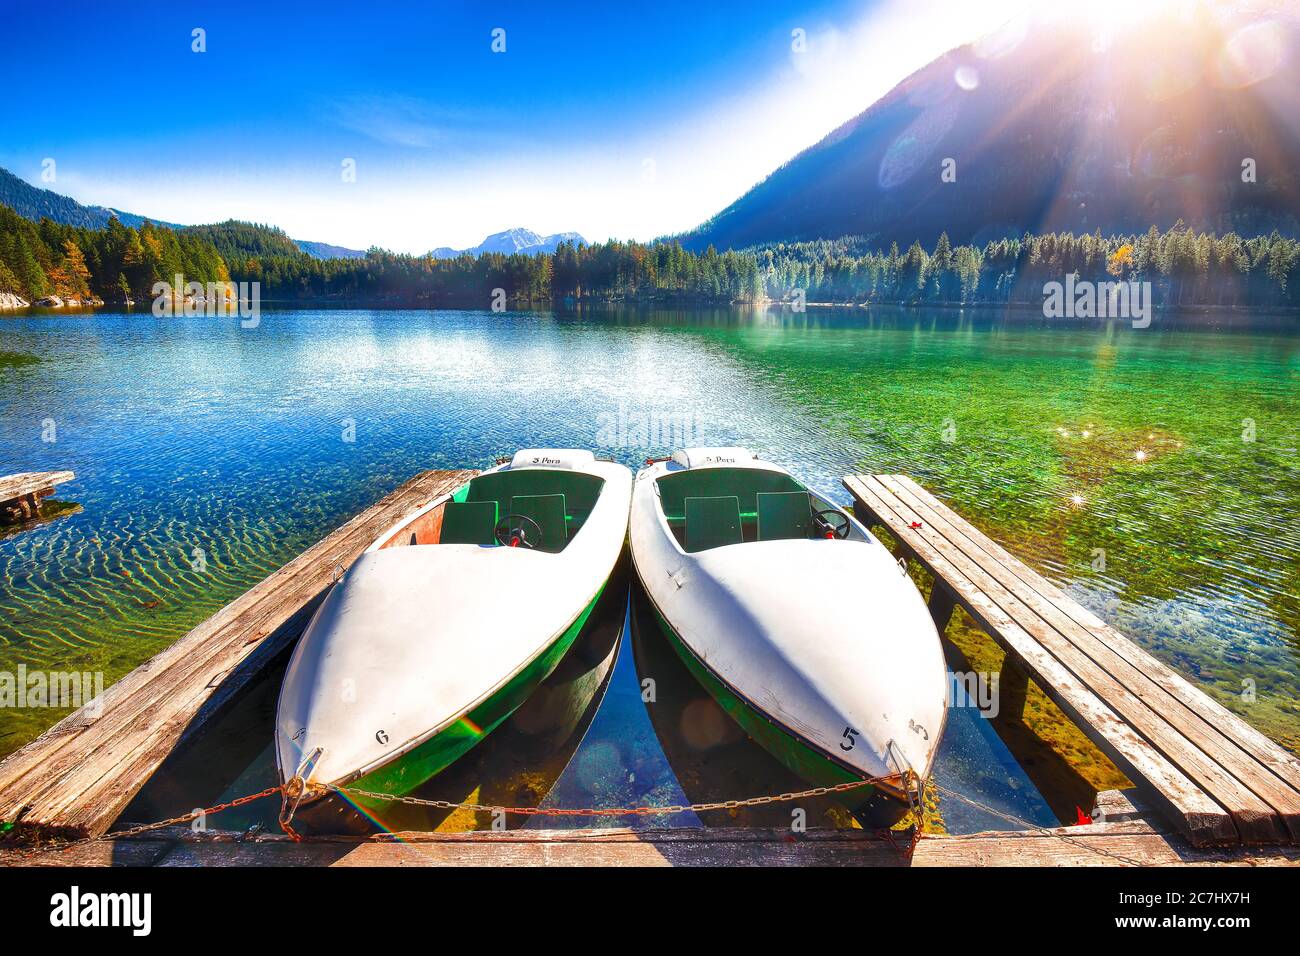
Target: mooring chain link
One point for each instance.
(289, 793)
(147, 827)
(609, 811)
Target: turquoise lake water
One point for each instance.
(1173, 450)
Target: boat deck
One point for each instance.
(1212, 775)
(76, 778)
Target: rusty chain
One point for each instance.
(147, 827)
(610, 811)
(764, 800)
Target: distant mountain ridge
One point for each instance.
(35, 203)
(324, 250)
(1054, 130)
(512, 241)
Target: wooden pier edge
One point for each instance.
(1216, 778)
(75, 779)
(21, 494)
(1133, 841)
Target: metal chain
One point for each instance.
(609, 811)
(147, 827)
(917, 835)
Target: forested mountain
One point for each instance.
(237, 240)
(1060, 129)
(36, 204)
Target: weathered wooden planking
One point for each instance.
(1121, 844)
(1188, 805)
(1251, 741)
(21, 494)
(1265, 808)
(75, 779)
(1117, 847)
(31, 483)
(1263, 795)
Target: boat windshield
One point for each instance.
(548, 507)
(712, 507)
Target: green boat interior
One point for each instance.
(713, 507)
(548, 506)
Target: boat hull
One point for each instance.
(417, 766)
(870, 806)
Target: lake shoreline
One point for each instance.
(1185, 316)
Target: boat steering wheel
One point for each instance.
(516, 531)
(831, 528)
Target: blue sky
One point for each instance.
(605, 118)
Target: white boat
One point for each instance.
(447, 623)
(795, 619)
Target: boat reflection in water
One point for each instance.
(515, 765)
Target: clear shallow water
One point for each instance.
(196, 434)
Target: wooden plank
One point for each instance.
(1192, 810)
(31, 483)
(134, 852)
(1269, 795)
(1256, 821)
(1129, 843)
(1261, 749)
(555, 848)
(75, 779)
(1063, 848)
(614, 847)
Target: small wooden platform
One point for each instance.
(21, 494)
(76, 778)
(1216, 778)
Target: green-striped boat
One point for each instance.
(446, 624)
(796, 620)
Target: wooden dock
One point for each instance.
(21, 494)
(76, 778)
(1212, 775)
(1214, 781)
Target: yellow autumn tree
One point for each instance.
(1120, 260)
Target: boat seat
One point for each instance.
(783, 515)
(468, 522)
(712, 522)
(548, 512)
